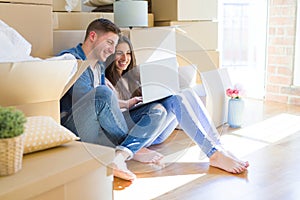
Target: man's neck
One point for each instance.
(88, 54)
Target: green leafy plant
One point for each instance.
(11, 122)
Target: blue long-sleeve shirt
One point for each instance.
(83, 84)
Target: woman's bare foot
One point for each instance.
(146, 155)
(119, 166)
(244, 163)
(228, 162)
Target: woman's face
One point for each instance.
(123, 56)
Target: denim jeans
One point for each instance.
(144, 125)
(96, 118)
(187, 109)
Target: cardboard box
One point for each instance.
(215, 83)
(168, 40)
(74, 171)
(73, 20)
(195, 35)
(203, 60)
(180, 10)
(45, 2)
(153, 43)
(110, 16)
(60, 5)
(35, 87)
(33, 22)
(150, 20)
(65, 39)
(80, 20)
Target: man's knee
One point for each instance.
(104, 93)
(105, 98)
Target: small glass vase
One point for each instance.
(235, 112)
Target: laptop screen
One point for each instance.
(159, 79)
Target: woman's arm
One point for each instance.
(130, 102)
(124, 103)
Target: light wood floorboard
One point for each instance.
(269, 140)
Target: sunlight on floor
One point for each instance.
(145, 188)
(273, 129)
(261, 134)
(249, 139)
(193, 154)
(241, 142)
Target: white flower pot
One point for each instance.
(235, 112)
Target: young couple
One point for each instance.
(100, 113)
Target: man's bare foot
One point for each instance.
(123, 174)
(228, 162)
(146, 155)
(119, 166)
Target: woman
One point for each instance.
(184, 108)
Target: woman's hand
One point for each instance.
(131, 102)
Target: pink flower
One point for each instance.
(235, 93)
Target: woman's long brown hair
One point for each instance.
(130, 75)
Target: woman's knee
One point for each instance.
(158, 110)
(171, 102)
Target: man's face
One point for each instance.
(104, 45)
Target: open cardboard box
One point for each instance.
(35, 87)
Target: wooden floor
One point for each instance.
(269, 140)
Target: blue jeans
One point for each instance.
(188, 110)
(96, 118)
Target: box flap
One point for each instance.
(33, 81)
(81, 67)
(49, 108)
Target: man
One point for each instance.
(91, 110)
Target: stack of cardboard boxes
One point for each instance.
(35, 87)
(197, 43)
(29, 85)
(69, 27)
(33, 20)
(197, 30)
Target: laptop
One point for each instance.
(159, 79)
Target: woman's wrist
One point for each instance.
(128, 103)
(131, 102)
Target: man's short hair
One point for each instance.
(102, 25)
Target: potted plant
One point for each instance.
(11, 140)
